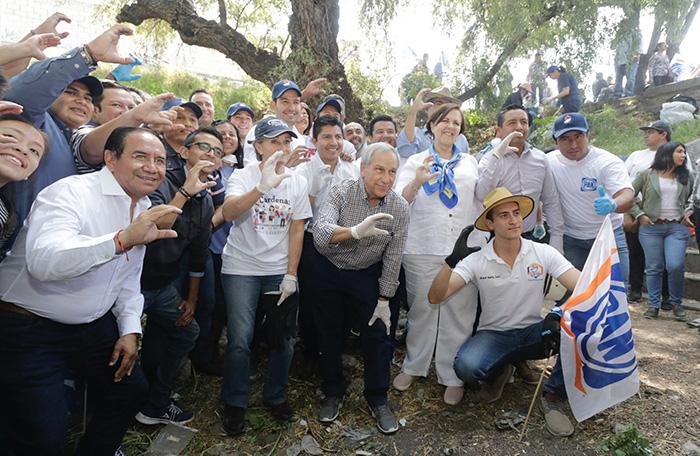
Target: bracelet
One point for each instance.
(89, 57)
(121, 246)
(184, 193)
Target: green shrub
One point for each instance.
(628, 443)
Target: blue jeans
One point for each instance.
(165, 346)
(242, 294)
(484, 356)
(33, 411)
(577, 250)
(664, 247)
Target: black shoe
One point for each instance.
(281, 412)
(665, 305)
(386, 421)
(330, 409)
(634, 296)
(234, 420)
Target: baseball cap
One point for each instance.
(282, 86)
(234, 108)
(93, 85)
(659, 126)
(185, 104)
(552, 68)
(332, 100)
(272, 127)
(570, 121)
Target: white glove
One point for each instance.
(320, 181)
(383, 313)
(504, 146)
(368, 227)
(269, 178)
(288, 286)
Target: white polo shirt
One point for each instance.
(577, 183)
(433, 227)
(315, 169)
(511, 298)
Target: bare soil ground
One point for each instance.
(667, 411)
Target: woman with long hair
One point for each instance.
(664, 215)
(304, 120)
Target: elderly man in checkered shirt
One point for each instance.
(360, 235)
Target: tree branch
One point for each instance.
(223, 19)
(673, 47)
(194, 30)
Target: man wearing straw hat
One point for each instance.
(509, 273)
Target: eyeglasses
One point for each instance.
(206, 148)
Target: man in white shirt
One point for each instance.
(71, 299)
(522, 169)
(324, 171)
(355, 133)
(334, 106)
(591, 183)
(655, 135)
(509, 273)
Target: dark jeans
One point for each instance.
(165, 346)
(35, 355)
(211, 311)
(484, 356)
(571, 103)
(307, 276)
(660, 80)
(620, 74)
(346, 296)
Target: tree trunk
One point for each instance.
(687, 22)
(313, 28)
(641, 78)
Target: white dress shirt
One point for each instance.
(433, 227)
(526, 174)
(63, 266)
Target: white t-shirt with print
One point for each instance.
(577, 183)
(511, 298)
(258, 243)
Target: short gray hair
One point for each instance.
(368, 154)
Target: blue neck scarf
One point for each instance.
(445, 182)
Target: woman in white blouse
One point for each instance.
(439, 184)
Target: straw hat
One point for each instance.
(441, 92)
(501, 195)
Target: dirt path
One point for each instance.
(667, 411)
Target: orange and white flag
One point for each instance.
(597, 349)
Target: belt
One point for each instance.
(661, 221)
(14, 308)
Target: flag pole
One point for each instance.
(534, 397)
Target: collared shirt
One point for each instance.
(347, 206)
(511, 298)
(315, 169)
(36, 89)
(526, 174)
(63, 266)
(434, 227)
(577, 183)
(422, 142)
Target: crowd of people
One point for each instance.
(118, 204)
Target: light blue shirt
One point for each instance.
(423, 141)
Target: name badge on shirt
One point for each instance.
(589, 184)
(535, 271)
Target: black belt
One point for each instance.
(14, 308)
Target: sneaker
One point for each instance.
(173, 414)
(652, 312)
(556, 421)
(281, 412)
(492, 391)
(453, 395)
(234, 420)
(330, 409)
(526, 373)
(403, 381)
(679, 313)
(386, 422)
(634, 296)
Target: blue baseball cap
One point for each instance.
(185, 104)
(332, 100)
(570, 121)
(552, 68)
(282, 86)
(272, 127)
(234, 108)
